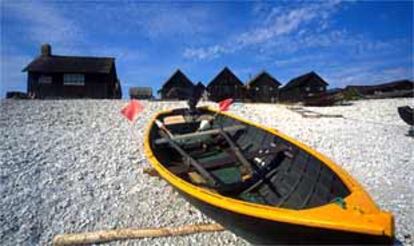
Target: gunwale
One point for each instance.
(361, 216)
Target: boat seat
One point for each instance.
(187, 136)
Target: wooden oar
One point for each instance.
(124, 234)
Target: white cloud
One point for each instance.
(44, 22)
(279, 23)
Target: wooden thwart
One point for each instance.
(124, 234)
(198, 134)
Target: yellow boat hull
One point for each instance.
(359, 221)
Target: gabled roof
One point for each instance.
(261, 75)
(177, 76)
(301, 80)
(71, 64)
(226, 72)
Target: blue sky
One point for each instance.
(345, 42)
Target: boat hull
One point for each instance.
(407, 115)
(353, 220)
(262, 231)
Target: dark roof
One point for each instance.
(261, 75)
(75, 64)
(146, 91)
(226, 72)
(301, 80)
(177, 76)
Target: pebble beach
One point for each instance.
(71, 166)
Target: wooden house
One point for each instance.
(52, 76)
(226, 85)
(177, 87)
(140, 93)
(299, 88)
(263, 88)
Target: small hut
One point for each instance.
(226, 85)
(177, 87)
(140, 93)
(55, 76)
(302, 87)
(263, 88)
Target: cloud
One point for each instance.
(44, 22)
(280, 22)
(370, 75)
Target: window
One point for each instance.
(257, 88)
(74, 79)
(321, 88)
(45, 79)
(307, 88)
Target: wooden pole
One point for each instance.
(124, 234)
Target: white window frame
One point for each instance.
(321, 88)
(307, 88)
(74, 79)
(44, 79)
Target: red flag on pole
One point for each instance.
(225, 104)
(132, 109)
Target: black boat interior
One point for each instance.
(242, 161)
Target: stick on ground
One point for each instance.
(123, 234)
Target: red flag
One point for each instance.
(225, 104)
(132, 109)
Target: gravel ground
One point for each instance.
(76, 165)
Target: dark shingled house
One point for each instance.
(140, 93)
(299, 88)
(177, 87)
(226, 85)
(263, 88)
(52, 76)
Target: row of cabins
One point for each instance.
(55, 76)
(261, 88)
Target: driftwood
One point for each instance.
(306, 113)
(124, 234)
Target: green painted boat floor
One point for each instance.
(228, 175)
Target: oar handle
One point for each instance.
(164, 128)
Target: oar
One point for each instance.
(124, 234)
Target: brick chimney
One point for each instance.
(46, 50)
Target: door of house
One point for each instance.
(266, 93)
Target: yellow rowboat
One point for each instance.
(261, 184)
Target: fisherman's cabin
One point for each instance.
(177, 87)
(140, 93)
(302, 87)
(53, 76)
(226, 85)
(263, 88)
